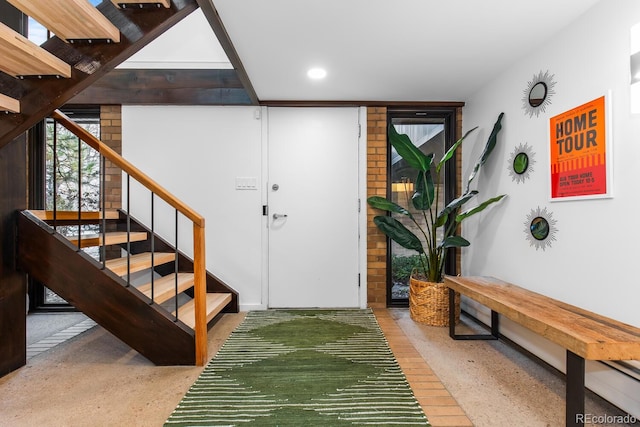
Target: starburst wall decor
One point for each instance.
(540, 228)
(521, 163)
(537, 96)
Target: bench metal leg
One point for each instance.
(575, 390)
(495, 323)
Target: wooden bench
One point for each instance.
(584, 335)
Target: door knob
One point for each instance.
(278, 216)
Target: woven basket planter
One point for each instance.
(429, 303)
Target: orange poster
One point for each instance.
(578, 148)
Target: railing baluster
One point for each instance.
(175, 268)
(54, 156)
(153, 248)
(128, 230)
(79, 194)
(103, 197)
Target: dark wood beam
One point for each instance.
(215, 21)
(356, 103)
(13, 283)
(38, 97)
(166, 87)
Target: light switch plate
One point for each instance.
(246, 183)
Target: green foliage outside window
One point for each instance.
(67, 164)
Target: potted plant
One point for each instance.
(433, 232)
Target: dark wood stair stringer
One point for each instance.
(102, 295)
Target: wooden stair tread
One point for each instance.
(118, 3)
(139, 262)
(110, 238)
(73, 215)
(70, 19)
(21, 57)
(216, 302)
(164, 287)
(9, 104)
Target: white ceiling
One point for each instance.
(387, 50)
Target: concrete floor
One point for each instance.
(494, 383)
(94, 379)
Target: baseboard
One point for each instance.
(252, 307)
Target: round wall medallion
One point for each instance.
(521, 163)
(537, 95)
(540, 228)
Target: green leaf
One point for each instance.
(409, 152)
(379, 202)
(455, 204)
(442, 218)
(478, 208)
(398, 233)
(488, 148)
(424, 192)
(454, 242)
(451, 151)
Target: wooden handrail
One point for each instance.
(199, 265)
(123, 164)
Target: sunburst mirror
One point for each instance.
(537, 96)
(540, 228)
(521, 163)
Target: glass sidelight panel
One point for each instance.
(432, 132)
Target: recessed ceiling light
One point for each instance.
(317, 73)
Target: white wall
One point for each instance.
(191, 43)
(591, 263)
(197, 153)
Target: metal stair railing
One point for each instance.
(199, 265)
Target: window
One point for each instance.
(54, 148)
(433, 131)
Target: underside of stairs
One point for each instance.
(90, 41)
(141, 315)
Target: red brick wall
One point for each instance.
(111, 134)
(376, 186)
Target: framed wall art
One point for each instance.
(580, 152)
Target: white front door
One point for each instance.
(313, 207)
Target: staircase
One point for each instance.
(90, 41)
(167, 317)
(155, 318)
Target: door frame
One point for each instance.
(362, 211)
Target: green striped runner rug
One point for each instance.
(302, 368)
